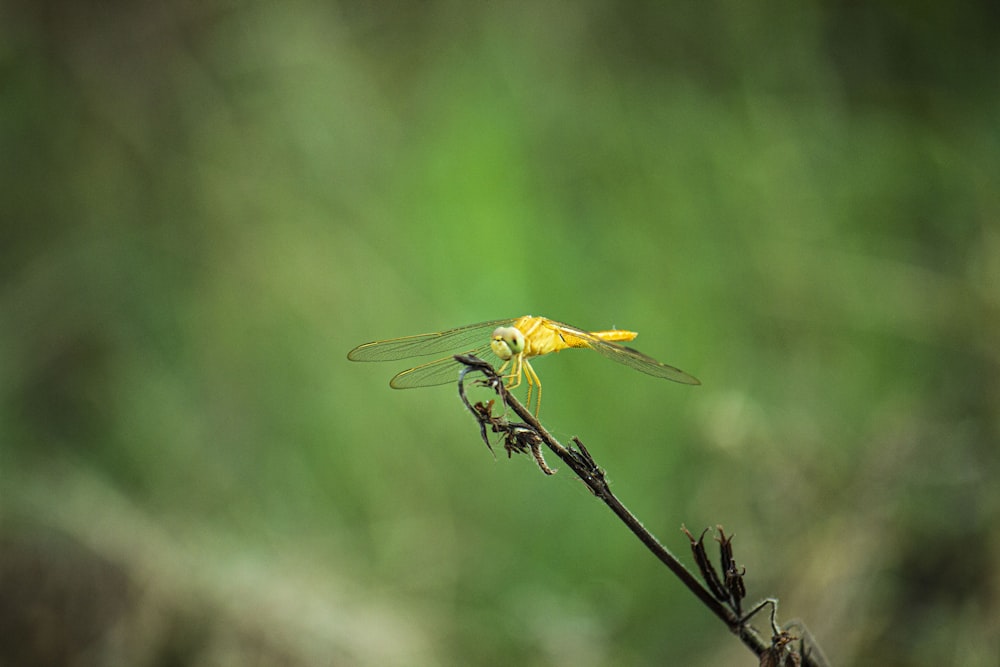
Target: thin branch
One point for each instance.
(724, 592)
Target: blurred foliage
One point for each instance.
(204, 206)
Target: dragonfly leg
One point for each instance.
(514, 379)
(533, 381)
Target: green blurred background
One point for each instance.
(205, 205)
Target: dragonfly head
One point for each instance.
(508, 342)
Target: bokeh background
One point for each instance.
(205, 205)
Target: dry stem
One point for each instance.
(723, 594)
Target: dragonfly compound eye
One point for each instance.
(507, 342)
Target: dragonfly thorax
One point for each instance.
(507, 342)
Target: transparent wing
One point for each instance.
(439, 371)
(627, 356)
(457, 340)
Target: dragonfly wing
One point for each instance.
(640, 362)
(630, 357)
(439, 371)
(461, 339)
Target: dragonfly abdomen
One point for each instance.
(612, 336)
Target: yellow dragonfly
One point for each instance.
(514, 342)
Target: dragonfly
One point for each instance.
(513, 341)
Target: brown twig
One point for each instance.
(723, 594)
